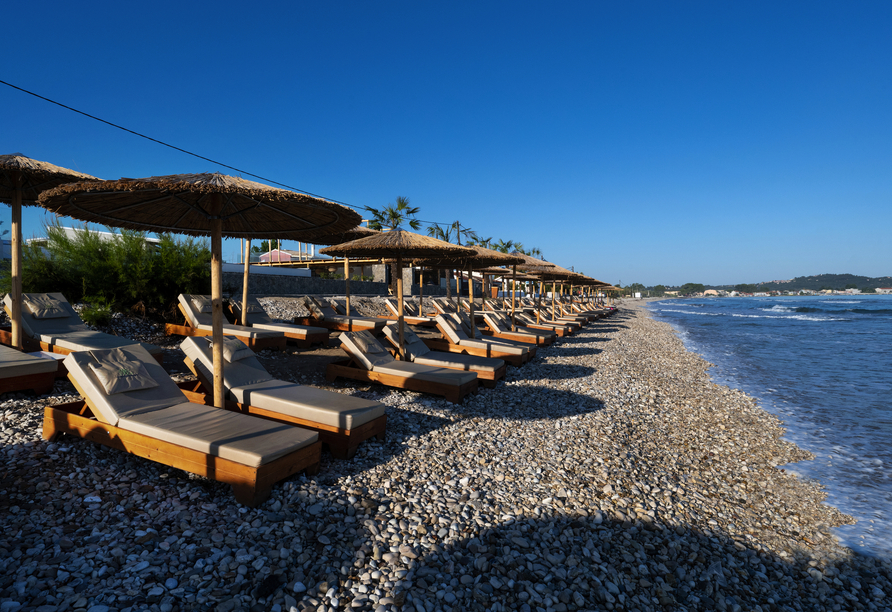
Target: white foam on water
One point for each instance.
(796, 317)
(777, 308)
(699, 314)
(841, 301)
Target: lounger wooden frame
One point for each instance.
(41, 384)
(342, 443)
(250, 485)
(276, 343)
(333, 325)
(305, 340)
(347, 368)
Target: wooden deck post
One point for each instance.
(245, 284)
(16, 269)
(217, 295)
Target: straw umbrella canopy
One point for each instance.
(339, 238)
(397, 244)
(22, 179)
(212, 205)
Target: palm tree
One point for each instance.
(503, 246)
(391, 217)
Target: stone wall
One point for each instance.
(273, 285)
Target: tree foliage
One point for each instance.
(691, 288)
(121, 271)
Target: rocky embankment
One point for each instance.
(608, 473)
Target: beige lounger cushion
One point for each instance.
(15, 363)
(234, 349)
(229, 435)
(356, 344)
(93, 341)
(494, 345)
(287, 328)
(119, 372)
(202, 304)
(469, 363)
(241, 373)
(412, 344)
(44, 306)
(112, 408)
(426, 373)
(304, 402)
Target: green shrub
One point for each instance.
(96, 311)
(120, 272)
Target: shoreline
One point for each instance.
(608, 473)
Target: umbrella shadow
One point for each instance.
(558, 371)
(589, 561)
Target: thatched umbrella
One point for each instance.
(339, 238)
(552, 272)
(22, 179)
(529, 264)
(212, 205)
(481, 257)
(397, 244)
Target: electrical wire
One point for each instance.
(208, 159)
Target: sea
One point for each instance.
(823, 364)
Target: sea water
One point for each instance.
(824, 366)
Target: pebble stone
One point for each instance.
(610, 473)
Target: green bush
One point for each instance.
(123, 272)
(96, 311)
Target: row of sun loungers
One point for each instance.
(269, 428)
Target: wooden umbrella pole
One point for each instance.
(539, 303)
(16, 268)
(553, 305)
(513, 291)
(245, 283)
(217, 295)
(421, 292)
(399, 298)
(347, 282)
(471, 299)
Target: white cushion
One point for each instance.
(118, 372)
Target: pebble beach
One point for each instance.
(609, 473)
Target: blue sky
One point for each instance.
(653, 142)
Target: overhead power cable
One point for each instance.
(181, 150)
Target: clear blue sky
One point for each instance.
(653, 142)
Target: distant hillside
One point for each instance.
(818, 282)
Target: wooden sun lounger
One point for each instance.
(456, 340)
(408, 318)
(63, 334)
(489, 370)
(560, 329)
(96, 419)
(304, 336)
(275, 400)
(22, 372)
(324, 315)
(498, 329)
(381, 368)
(199, 324)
